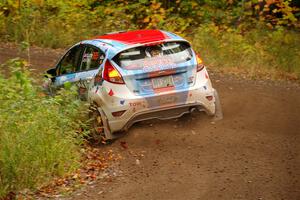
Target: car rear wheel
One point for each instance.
(97, 133)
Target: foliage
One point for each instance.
(254, 51)
(263, 31)
(60, 23)
(37, 133)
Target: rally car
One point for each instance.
(137, 75)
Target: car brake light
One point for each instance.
(200, 65)
(111, 74)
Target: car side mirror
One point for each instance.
(50, 73)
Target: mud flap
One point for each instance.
(218, 112)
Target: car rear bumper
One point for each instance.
(164, 106)
(163, 114)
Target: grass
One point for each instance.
(38, 139)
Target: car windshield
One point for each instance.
(168, 53)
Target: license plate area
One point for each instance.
(162, 82)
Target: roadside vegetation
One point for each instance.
(260, 38)
(38, 134)
(256, 54)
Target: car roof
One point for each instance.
(119, 41)
(137, 36)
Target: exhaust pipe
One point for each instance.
(192, 109)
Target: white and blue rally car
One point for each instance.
(134, 76)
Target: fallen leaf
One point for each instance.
(137, 162)
(124, 144)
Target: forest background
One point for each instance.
(260, 37)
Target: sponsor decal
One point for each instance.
(159, 63)
(134, 104)
(152, 64)
(138, 105)
(111, 92)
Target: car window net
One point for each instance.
(91, 59)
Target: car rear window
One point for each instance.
(168, 53)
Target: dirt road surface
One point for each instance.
(253, 153)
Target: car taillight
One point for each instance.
(200, 65)
(111, 74)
